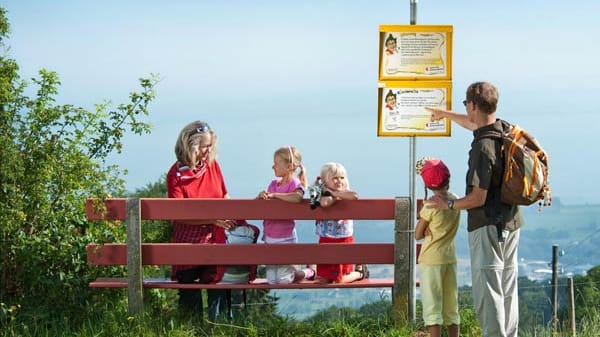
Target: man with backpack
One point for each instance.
(493, 226)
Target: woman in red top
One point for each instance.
(196, 174)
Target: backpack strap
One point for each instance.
(493, 202)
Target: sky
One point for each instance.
(266, 74)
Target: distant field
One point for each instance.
(575, 228)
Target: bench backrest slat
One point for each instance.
(249, 209)
(202, 254)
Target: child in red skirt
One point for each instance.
(334, 187)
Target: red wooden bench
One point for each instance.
(134, 254)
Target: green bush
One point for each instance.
(52, 158)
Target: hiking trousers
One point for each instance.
(494, 272)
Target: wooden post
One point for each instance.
(554, 324)
(404, 254)
(134, 256)
(572, 306)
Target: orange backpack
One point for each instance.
(525, 175)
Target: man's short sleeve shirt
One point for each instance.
(485, 172)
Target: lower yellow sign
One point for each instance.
(402, 110)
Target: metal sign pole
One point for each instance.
(413, 199)
(413, 11)
(412, 296)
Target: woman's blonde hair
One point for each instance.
(291, 155)
(331, 169)
(189, 140)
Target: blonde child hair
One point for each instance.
(331, 169)
(291, 155)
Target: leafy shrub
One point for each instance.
(52, 158)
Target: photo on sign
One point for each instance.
(402, 110)
(415, 52)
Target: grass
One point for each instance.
(373, 319)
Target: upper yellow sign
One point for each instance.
(415, 52)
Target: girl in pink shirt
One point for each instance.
(286, 187)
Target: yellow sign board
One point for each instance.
(415, 52)
(402, 108)
(415, 72)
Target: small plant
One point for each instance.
(8, 313)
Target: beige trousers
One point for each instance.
(494, 274)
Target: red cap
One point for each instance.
(435, 173)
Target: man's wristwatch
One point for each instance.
(450, 204)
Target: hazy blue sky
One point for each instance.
(269, 73)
